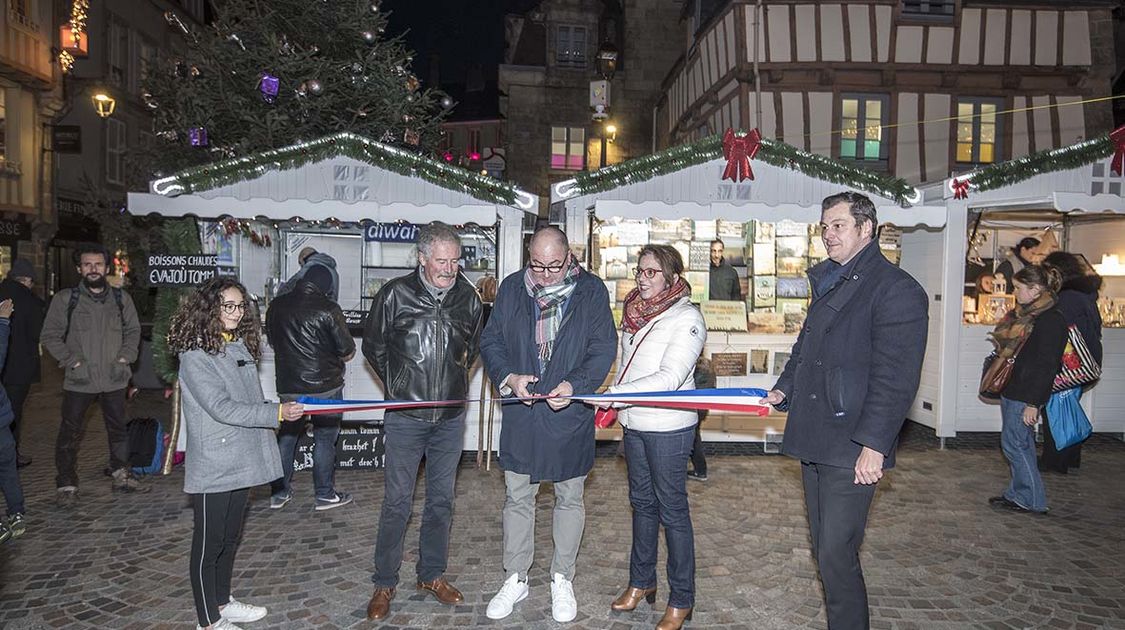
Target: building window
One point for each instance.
(146, 61)
(22, 12)
(862, 118)
(568, 148)
(118, 50)
(3, 126)
(928, 9)
(570, 46)
(114, 151)
(978, 131)
(474, 142)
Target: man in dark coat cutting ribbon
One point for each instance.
(848, 385)
(551, 334)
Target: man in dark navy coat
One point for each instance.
(551, 333)
(848, 385)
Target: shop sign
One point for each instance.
(180, 270)
(390, 232)
(67, 139)
(14, 230)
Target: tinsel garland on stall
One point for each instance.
(1019, 169)
(181, 236)
(771, 152)
(342, 144)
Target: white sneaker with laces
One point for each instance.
(511, 593)
(238, 612)
(222, 624)
(564, 607)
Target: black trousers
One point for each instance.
(17, 393)
(698, 457)
(837, 509)
(73, 426)
(1053, 458)
(214, 541)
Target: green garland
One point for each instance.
(181, 236)
(771, 152)
(342, 144)
(1019, 169)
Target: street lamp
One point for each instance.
(599, 94)
(607, 60)
(104, 104)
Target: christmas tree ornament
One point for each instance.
(374, 7)
(149, 101)
(268, 85)
(410, 98)
(412, 83)
(316, 88)
(285, 47)
(411, 137)
(194, 71)
(197, 136)
(370, 37)
(407, 118)
(236, 39)
(446, 102)
(387, 137)
(303, 89)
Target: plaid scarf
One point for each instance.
(639, 312)
(550, 300)
(1017, 324)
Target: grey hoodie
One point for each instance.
(323, 260)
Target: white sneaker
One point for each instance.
(222, 624)
(564, 607)
(511, 593)
(238, 612)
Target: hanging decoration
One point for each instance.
(369, 36)
(74, 38)
(411, 137)
(344, 144)
(412, 83)
(197, 136)
(269, 86)
(316, 88)
(960, 188)
(233, 227)
(1118, 138)
(1065, 158)
(738, 149)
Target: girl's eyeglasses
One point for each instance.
(231, 307)
(648, 273)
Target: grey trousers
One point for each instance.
(568, 522)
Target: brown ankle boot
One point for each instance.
(631, 597)
(380, 604)
(674, 618)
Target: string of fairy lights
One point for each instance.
(79, 12)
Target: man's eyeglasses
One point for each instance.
(552, 268)
(648, 273)
(231, 307)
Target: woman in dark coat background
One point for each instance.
(1078, 303)
(1034, 332)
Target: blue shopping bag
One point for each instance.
(1069, 424)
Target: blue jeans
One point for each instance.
(407, 440)
(326, 429)
(1017, 440)
(657, 465)
(9, 477)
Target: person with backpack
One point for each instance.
(93, 332)
(21, 368)
(14, 525)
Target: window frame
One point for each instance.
(977, 103)
(569, 142)
(918, 15)
(860, 157)
(116, 144)
(3, 124)
(117, 54)
(571, 55)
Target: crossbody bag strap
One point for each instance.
(630, 361)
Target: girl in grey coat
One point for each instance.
(231, 445)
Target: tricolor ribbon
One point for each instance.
(738, 150)
(736, 399)
(1118, 138)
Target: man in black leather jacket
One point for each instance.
(311, 344)
(422, 337)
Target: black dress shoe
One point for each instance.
(1002, 503)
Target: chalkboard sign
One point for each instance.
(359, 446)
(180, 270)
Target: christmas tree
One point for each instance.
(271, 74)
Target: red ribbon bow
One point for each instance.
(960, 189)
(1118, 138)
(738, 150)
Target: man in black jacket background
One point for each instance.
(852, 377)
(21, 369)
(311, 345)
(422, 338)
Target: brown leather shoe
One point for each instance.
(380, 605)
(443, 591)
(674, 618)
(632, 597)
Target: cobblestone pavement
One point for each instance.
(936, 555)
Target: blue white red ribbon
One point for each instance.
(734, 399)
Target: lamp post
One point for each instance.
(104, 104)
(599, 94)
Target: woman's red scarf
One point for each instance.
(639, 312)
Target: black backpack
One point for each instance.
(146, 438)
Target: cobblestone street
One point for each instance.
(936, 555)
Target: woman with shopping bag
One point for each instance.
(1036, 331)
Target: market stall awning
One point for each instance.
(343, 176)
(688, 181)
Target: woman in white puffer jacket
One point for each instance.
(662, 336)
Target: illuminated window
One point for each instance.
(568, 148)
(862, 118)
(978, 131)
